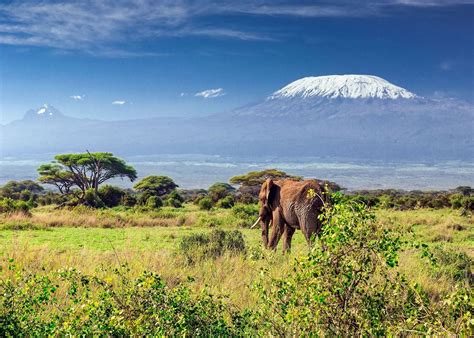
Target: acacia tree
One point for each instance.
(84, 171)
(251, 182)
(156, 186)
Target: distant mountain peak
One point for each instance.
(45, 111)
(342, 86)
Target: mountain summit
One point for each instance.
(342, 86)
(46, 111)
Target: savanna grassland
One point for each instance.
(46, 251)
(92, 259)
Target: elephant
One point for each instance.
(289, 205)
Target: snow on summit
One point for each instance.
(46, 111)
(342, 86)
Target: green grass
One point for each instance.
(87, 239)
(63, 230)
(101, 242)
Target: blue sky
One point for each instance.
(123, 59)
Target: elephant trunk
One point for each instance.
(265, 225)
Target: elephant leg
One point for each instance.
(277, 231)
(287, 236)
(309, 228)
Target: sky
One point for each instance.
(131, 59)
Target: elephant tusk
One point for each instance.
(255, 224)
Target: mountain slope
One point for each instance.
(352, 116)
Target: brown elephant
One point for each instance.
(289, 205)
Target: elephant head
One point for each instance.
(267, 197)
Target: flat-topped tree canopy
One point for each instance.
(84, 171)
(156, 185)
(258, 177)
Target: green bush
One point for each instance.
(246, 213)
(154, 202)
(218, 191)
(211, 245)
(455, 265)
(226, 202)
(111, 195)
(23, 190)
(247, 198)
(170, 202)
(346, 286)
(128, 200)
(143, 306)
(205, 203)
(9, 205)
(92, 199)
(174, 199)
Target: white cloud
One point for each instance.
(119, 102)
(211, 93)
(183, 94)
(77, 97)
(110, 27)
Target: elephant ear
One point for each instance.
(269, 191)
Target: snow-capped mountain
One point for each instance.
(351, 116)
(342, 86)
(46, 111)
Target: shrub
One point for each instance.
(128, 200)
(92, 199)
(201, 246)
(154, 202)
(142, 306)
(246, 213)
(456, 201)
(191, 195)
(205, 203)
(51, 197)
(456, 265)
(174, 199)
(23, 190)
(9, 205)
(111, 195)
(226, 202)
(219, 191)
(468, 203)
(247, 198)
(346, 286)
(171, 202)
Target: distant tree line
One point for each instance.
(81, 179)
(461, 197)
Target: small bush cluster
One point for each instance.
(205, 203)
(30, 305)
(459, 198)
(9, 205)
(246, 213)
(211, 245)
